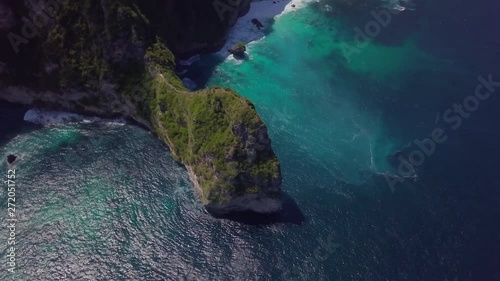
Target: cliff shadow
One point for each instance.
(289, 214)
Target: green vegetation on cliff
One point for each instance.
(93, 44)
(202, 130)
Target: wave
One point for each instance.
(43, 117)
(400, 5)
(46, 117)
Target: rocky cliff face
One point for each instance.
(253, 148)
(109, 58)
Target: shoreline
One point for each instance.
(266, 11)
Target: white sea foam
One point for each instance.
(44, 117)
(400, 5)
(116, 122)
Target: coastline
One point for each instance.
(266, 11)
(66, 108)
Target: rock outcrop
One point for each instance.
(11, 159)
(257, 23)
(110, 58)
(238, 50)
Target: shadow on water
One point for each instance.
(290, 214)
(12, 121)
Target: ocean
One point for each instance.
(388, 150)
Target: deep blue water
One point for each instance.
(105, 201)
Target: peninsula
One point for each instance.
(115, 58)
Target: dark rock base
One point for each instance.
(11, 159)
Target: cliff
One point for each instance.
(110, 58)
(193, 26)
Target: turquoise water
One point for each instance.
(334, 111)
(106, 201)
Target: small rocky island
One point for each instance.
(238, 50)
(11, 159)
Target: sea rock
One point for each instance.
(257, 23)
(11, 158)
(238, 50)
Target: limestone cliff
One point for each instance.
(110, 58)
